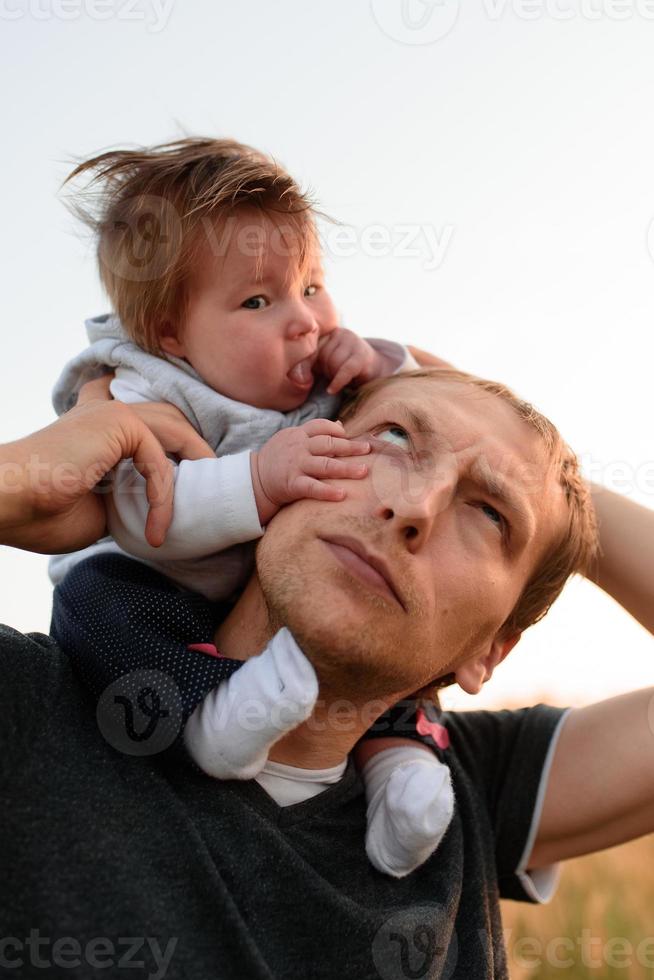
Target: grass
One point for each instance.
(599, 925)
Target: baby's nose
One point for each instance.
(301, 324)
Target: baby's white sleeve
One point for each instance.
(214, 508)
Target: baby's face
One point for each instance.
(252, 329)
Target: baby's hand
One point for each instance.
(345, 357)
(291, 465)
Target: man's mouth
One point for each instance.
(301, 373)
(364, 565)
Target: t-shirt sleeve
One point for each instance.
(508, 755)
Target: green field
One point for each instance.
(599, 925)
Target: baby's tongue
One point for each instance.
(301, 372)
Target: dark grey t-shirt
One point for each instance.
(115, 865)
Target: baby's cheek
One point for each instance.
(327, 316)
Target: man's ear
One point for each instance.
(473, 674)
(170, 342)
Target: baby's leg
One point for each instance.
(120, 621)
(232, 730)
(410, 802)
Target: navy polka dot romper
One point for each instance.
(114, 616)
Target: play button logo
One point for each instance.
(415, 21)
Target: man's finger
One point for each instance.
(173, 430)
(153, 465)
(96, 390)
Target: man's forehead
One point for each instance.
(455, 414)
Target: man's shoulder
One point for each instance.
(31, 651)
(35, 671)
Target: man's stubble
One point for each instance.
(359, 644)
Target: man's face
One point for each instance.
(459, 506)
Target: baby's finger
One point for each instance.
(325, 467)
(319, 427)
(343, 376)
(306, 488)
(334, 446)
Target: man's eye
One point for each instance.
(494, 516)
(311, 290)
(255, 303)
(397, 435)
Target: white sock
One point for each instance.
(231, 732)
(410, 805)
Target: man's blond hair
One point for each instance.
(155, 209)
(574, 550)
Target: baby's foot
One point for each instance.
(231, 732)
(408, 810)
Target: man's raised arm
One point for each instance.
(601, 786)
(626, 565)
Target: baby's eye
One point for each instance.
(311, 290)
(398, 435)
(255, 303)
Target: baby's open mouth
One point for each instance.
(301, 372)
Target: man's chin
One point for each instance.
(352, 636)
(353, 662)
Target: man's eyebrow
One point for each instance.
(501, 490)
(482, 475)
(418, 421)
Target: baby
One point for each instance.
(209, 254)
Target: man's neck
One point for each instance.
(338, 720)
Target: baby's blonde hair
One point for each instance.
(155, 209)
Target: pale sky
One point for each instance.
(493, 169)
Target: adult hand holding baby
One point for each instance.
(47, 478)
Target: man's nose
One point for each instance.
(415, 502)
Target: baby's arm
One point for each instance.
(220, 502)
(214, 507)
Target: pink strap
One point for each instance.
(438, 732)
(207, 648)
